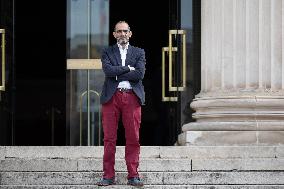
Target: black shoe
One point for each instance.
(135, 181)
(106, 182)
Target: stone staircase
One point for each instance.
(202, 167)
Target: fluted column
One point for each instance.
(241, 101)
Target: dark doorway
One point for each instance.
(39, 87)
(150, 22)
(37, 92)
(7, 59)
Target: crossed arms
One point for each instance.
(133, 72)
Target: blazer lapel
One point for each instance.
(128, 55)
(117, 54)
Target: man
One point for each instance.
(122, 95)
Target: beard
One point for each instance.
(122, 41)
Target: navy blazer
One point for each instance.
(112, 67)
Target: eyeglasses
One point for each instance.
(120, 31)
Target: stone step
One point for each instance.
(146, 186)
(149, 178)
(251, 164)
(158, 165)
(168, 152)
(146, 165)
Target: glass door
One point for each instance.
(32, 73)
(6, 72)
(179, 79)
(87, 34)
(172, 46)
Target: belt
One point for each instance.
(124, 90)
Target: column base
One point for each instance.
(231, 138)
(236, 121)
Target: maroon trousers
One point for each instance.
(123, 104)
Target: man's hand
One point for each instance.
(131, 68)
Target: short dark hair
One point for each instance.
(120, 22)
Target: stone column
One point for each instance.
(241, 101)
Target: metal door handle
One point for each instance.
(183, 33)
(164, 97)
(172, 49)
(2, 86)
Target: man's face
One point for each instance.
(122, 33)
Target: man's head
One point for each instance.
(122, 32)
